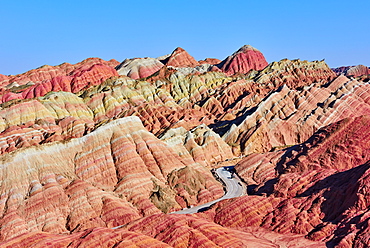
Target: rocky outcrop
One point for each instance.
(211, 61)
(247, 58)
(355, 71)
(340, 146)
(201, 143)
(203, 68)
(48, 72)
(3, 78)
(290, 116)
(189, 231)
(63, 115)
(180, 58)
(65, 77)
(139, 67)
(294, 73)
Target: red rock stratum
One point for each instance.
(242, 61)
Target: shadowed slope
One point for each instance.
(318, 188)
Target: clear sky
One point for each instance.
(35, 33)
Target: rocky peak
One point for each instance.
(180, 58)
(245, 59)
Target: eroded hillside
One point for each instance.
(99, 144)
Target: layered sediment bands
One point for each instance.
(197, 70)
(340, 146)
(3, 78)
(139, 67)
(56, 116)
(161, 103)
(318, 188)
(106, 178)
(201, 143)
(322, 204)
(290, 116)
(356, 71)
(247, 58)
(180, 58)
(191, 231)
(211, 61)
(81, 78)
(48, 72)
(189, 88)
(158, 108)
(243, 95)
(294, 73)
(94, 237)
(165, 231)
(62, 115)
(170, 99)
(173, 99)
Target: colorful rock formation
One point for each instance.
(93, 237)
(355, 71)
(205, 146)
(65, 77)
(139, 67)
(180, 58)
(242, 61)
(48, 72)
(94, 154)
(166, 231)
(211, 61)
(107, 178)
(318, 189)
(290, 116)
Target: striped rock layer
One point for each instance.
(139, 67)
(290, 116)
(355, 71)
(63, 115)
(48, 72)
(180, 58)
(65, 77)
(318, 188)
(170, 101)
(107, 178)
(165, 231)
(167, 99)
(242, 109)
(247, 58)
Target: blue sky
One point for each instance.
(34, 33)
